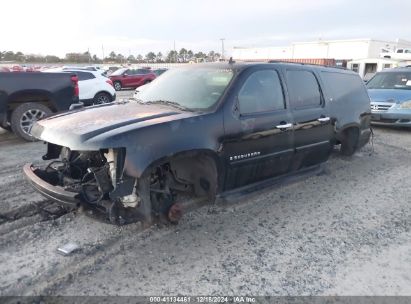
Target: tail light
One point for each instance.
(74, 80)
(110, 82)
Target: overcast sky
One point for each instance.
(137, 26)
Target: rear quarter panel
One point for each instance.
(346, 98)
(57, 86)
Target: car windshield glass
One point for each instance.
(118, 72)
(391, 80)
(191, 88)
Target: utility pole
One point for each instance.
(222, 47)
(102, 48)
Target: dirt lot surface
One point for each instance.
(345, 231)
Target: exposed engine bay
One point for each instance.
(97, 180)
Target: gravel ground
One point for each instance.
(345, 231)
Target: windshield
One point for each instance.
(118, 72)
(391, 80)
(191, 88)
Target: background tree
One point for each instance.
(159, 57)
(190, 54)
(120, 58)
(139, 58)
(172, 56)
(182, 55)
(150, 57)
(52, 58)
(131, 59)
(112, 56)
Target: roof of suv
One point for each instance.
(95, 73)
(238, 66)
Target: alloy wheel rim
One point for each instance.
(29, 118)
(102, 99)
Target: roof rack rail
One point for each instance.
(302, 63)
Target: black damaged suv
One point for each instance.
(204, 130)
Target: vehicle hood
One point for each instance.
(389, 95)
(102, 126)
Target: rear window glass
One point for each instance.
(344, 87)
(303, 89)
(84, 75)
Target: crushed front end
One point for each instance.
(94, 179)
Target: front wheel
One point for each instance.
(24, 116)
(117, 85)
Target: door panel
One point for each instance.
(260, 151)
(259, 141)
(313, 128)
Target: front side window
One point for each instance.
(303, 89)
(261, 92)
(355, 67)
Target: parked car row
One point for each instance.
(94, 87)
(28, 97)
(131, 78)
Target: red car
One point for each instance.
(131, 78)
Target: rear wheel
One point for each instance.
(117, 85)
(349, 141)
(101, 98)
(24, 116)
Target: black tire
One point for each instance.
(117, 85)
(25, 115)
(349, 141)
(101, 98)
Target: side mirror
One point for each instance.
(125, 75)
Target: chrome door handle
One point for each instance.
(284, 126)
(323, 119)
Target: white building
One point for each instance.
(339, 50)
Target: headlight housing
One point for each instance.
(406, 104)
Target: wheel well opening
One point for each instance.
(25, 98)
(198, 171)
(349, 138)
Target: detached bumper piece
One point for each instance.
(115, 212)
(55, 193)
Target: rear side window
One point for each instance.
(303, 89)
(84, 76)
(342, 87)
(261, 92)
(142, 71)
